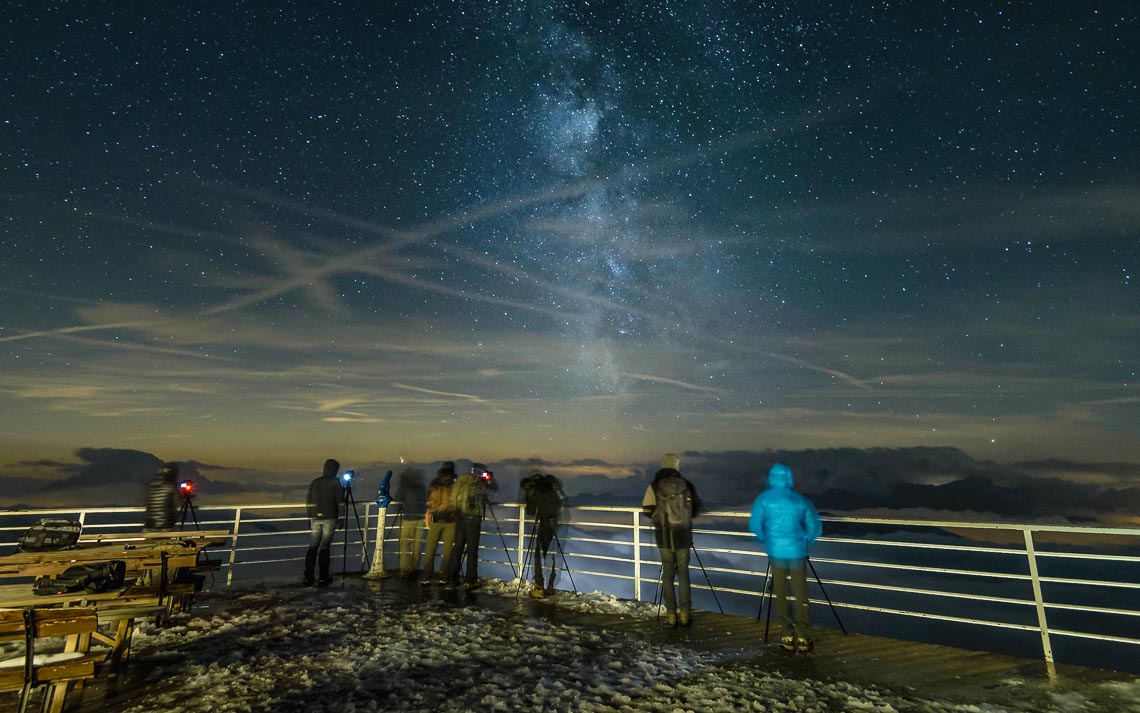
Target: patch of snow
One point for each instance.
(354, 650)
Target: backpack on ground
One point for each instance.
(49, 535)
(93, 578)
(674, 502)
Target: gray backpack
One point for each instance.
(674, 502)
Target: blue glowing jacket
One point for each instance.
(784, 521)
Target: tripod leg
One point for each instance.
(764, 589)
(565, 564)
(820, 583)
(657, 594)
(768, 621)
(707, 580)
(526, 559)
(506, 550)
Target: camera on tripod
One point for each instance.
(481, 472)
(346, 477)
(186, 489)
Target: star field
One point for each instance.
(496, 229)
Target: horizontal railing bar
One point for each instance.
(925, 546)
(929, 592)
(975, 525)
(918, 568)
(1098, 637)
(1087, 556)
(1092, 583)
(1091, 609)
(928, 615)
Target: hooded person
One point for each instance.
(323, 506)
(162, 499)
(786, 524)
(671, 502)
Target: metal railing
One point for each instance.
(1069, 583)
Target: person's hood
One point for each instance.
(331, 468)
(780, 476)
(666, 473)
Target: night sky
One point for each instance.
(262, 234)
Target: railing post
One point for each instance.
(1039, 600)
(233, 547)
(376, 569)
(521, 556)
(364, 533)
(636, 557)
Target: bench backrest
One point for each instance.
(29, 625)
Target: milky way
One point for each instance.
(246, 233)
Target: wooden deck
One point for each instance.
(940, 672)
(935, 672)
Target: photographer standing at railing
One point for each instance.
(787, 524)
(469, 500)
(671, 502)
(323, 505)
(162, 499)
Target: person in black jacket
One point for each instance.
(543, 495)
(323, 505)
(671, 502)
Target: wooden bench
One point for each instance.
(56, 671)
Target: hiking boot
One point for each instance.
(308, 581)
(670, 619)
(683, 618)
(804, 646)
(538, 592)
(472, 585)
(322, 582)
(425, 582)
(788, 643)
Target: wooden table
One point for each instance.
(152, 561)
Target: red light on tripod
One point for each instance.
(186, 487)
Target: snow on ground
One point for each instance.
(346, 650)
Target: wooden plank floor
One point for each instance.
(912, 669)
(938, 672)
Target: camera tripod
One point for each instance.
(661, 580)
(766, 593)
(349, 500)
(471, 548)
(188, 509)
(532, 551)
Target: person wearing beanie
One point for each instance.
(439, 517)
(323, 505)
(786, 524)
(671, 502)
(162, 499)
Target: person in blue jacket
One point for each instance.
(786, 524)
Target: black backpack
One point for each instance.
(674, 502)
(49, 535)
(544, 496)
(94, 577)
